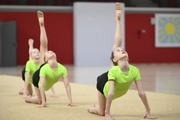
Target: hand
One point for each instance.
(108, 117)
(54, 96)
(71, 105)
(148, 116)
(42, 105)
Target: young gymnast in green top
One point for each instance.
(33, 64)
(116, 82)
(48, 74)
(28, 71)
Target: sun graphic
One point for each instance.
(169, 30)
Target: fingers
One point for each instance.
(41, 106)
(149, 117)
(54, 96)
(72, 105)
(109, 119)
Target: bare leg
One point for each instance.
(21, 91)
(99, 110)
(43, 36)
(36, 99)
(118, 34)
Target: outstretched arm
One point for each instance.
(30, 43)
(118, 34)
(143, 97)
(26, 84)
(68, 90)
(109, 101)
(42, 91)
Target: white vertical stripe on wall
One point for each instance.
(94, 30)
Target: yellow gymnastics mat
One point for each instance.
(128, 107)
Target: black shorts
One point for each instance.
(36, 76)
(23, 73)
(101, 81)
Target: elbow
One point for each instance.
(110, 94)
(141, 94)
(68, 87)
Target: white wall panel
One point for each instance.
(94, 30)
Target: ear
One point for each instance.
(114, 59)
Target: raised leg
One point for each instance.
(43, 36)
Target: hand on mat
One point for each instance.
(42, 105)
(71, 105)
(54, 96)
(148, 116)
(108, 117)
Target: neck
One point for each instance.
(36, 61)
(124, 65)
(53, 63)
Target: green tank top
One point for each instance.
(122, 81)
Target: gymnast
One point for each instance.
(49, 73)
(116, 82)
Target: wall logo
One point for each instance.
(167, 30)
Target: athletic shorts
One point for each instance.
(101, 81)
(23, 73)
(36, 76)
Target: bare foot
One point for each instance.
(118, 11)
(40, 16)
(21, 91)
(27, 99)
(90, 110)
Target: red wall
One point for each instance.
(59, 28)
(143, 50)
